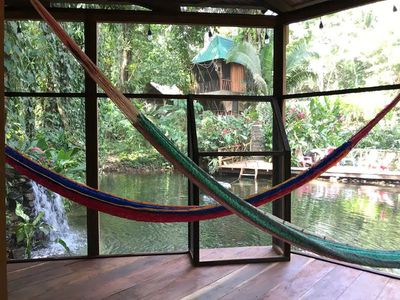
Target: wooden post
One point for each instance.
(3, 256)
(193, 193)
(281, 164)
(91, 125)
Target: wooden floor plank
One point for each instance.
(17, 271)
(224, 285)
(15, 266)
(121, 282)
(30, 278)
(263, 282)
(175, 282)
(302, 282)
(237, 253)
(195, 279)
(220, 253)
(58, 279)
(366, 286)
(333, 284)
(107, 280)
(391, 291)
(154, 280)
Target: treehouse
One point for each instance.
(107, 266)
(213, 74)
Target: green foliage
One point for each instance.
(47, 152)
(26, 62)
(222, 131)
(27, 229)
(171, 119)
(298, 72)
(246, 54)
(386, 134)
(265, 116)
(320, 123)
(131, 61)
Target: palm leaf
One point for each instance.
(245, 54)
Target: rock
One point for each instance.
(13, 195)
(23, 179)
(18, 253)
(29, 197)
(29, 190)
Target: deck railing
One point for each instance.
(226, 85)
(213, 86)
(223, 160)
(379, 159)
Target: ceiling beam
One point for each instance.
(222, 4)
(170, 6)
(275, 6)
(144, 17)
(167, 6)
(321, 9)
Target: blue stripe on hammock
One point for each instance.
(71, 185)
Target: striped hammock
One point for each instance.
(265, 221)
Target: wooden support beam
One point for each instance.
(91, 125)
(129, 16)
(276, 6)
(281, 169)
(159, 6)
(193, 190)
(3, 251)
(321, 9)
(367, 89)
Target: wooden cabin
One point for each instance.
(273, 272)
(213, 74)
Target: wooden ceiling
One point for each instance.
(287, 10)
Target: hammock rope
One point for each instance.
(265, 221)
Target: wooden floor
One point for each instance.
(173, 277)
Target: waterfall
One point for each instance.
(54, 215)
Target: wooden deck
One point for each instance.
(257, 167)
(173, 277)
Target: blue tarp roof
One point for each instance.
(218, 48)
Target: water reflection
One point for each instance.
(360, 215)
(124, 236)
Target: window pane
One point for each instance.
(233, 125)
(232, 231)
(355, 48)
(171, 59)
(133, 169)
(51, 132)
(36, 61)
(317, 124)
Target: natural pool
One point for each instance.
(363, 215)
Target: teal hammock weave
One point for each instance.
(267, 222)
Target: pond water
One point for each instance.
(362, 215)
